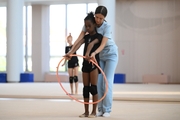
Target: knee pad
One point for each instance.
(71, 79)
(93, 89)
(86, 92)
(75, 79)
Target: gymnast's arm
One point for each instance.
(81, 36)
(75, 47)
(90, 46)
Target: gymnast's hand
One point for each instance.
(92, 57)
(87, 57)
(64, 62)
(66, 57)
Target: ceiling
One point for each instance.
(50, 2)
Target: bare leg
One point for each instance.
(76, 83)
(86, 106)
(93, 81)
(86, 99)
(76, 88)
(95, 98)
(71, 86)
(70, 71)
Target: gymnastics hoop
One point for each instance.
(105, 79)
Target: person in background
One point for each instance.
(73, 66)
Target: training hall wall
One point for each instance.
(148, 37)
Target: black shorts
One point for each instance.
(73, 64)
(88, 67)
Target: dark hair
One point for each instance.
(90, 16)
(101, 10)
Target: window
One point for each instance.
(57, 35)
(27, 17)
(3, 39)
(65, 19)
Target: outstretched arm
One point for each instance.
(100, 48)
(81, 36)
(75, 48)
(89, 48)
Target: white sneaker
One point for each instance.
(106, 114)
(99, 114)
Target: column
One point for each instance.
(40, 41)
(14, 40)
(110, 18)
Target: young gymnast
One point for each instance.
(73, 66)
(89, 71)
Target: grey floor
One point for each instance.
(47, 101)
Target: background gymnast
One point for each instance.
(73, 66)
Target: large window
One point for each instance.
(65, 19)
(27, 16)
(26, 39)
(57, 34)
(3, 39)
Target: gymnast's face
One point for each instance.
(69, 40)
(90, 26)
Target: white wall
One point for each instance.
(148, 32)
